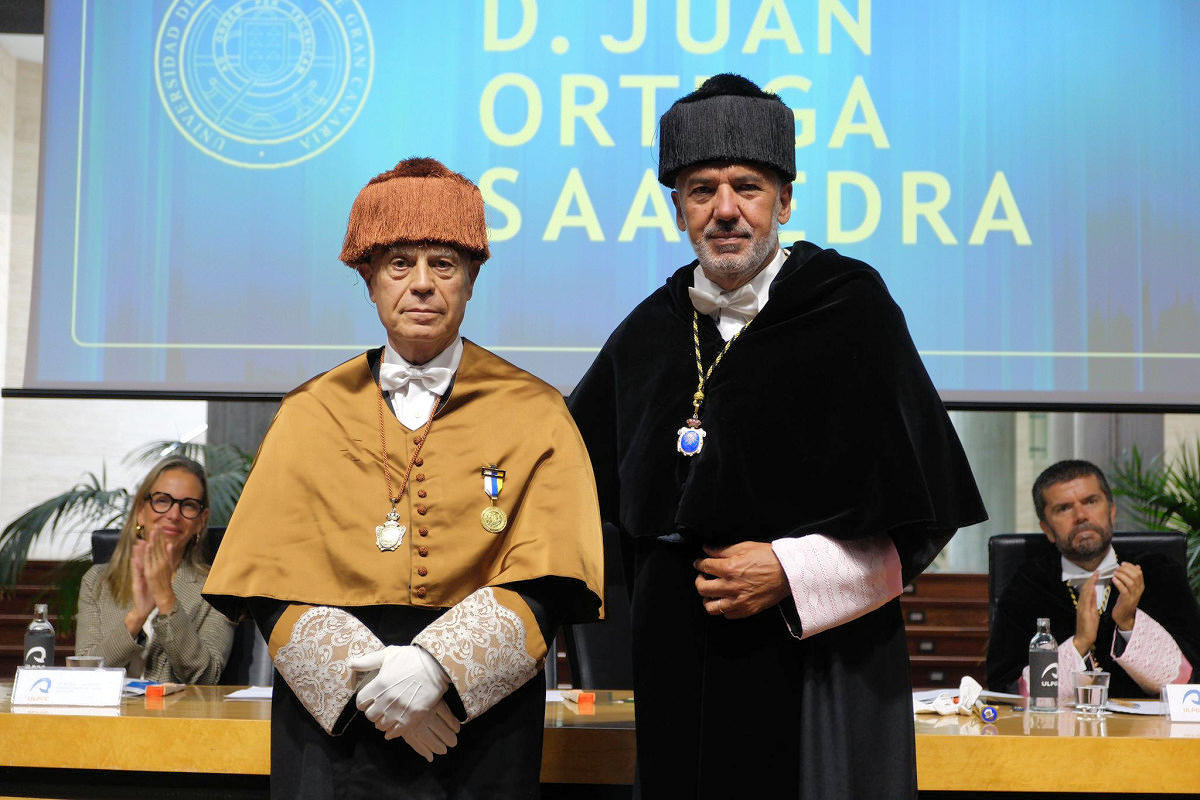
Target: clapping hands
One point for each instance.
(152, 568)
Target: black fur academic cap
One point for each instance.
(727, 119)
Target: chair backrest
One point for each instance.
(249, 662)
(600, 654)
(104, 543)
(1008, 551)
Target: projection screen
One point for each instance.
(1023, 175)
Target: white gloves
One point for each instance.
(404, 698)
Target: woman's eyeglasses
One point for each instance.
(161, 502)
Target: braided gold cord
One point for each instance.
(701, 374)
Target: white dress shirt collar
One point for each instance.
(414, 402)
(1076, 575)
(729, 321)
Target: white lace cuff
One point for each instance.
(314, 662)
(1151, 657)
(481, 645)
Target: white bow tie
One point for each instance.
(1105, 575)
(743, 300)
(396, 376)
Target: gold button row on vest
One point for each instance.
(422, 509)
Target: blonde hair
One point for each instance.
(120, 573)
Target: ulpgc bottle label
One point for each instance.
(1043, 677)
(39, 640)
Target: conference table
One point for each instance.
(198, 741)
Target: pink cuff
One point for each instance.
(1069, 663)
(1151, 656)
(834, 582)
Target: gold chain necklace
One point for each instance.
(690, 438)
(390, 534)
(1103, 602)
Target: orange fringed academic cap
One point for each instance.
(419, 200)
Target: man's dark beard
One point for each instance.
(1088, 551)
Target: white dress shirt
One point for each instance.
(1077, 576)
(413, 403)
(728, 320)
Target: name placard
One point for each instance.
(1183, 701)
(67, 686)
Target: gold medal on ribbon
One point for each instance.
(493, 519)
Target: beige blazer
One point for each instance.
(189, 645)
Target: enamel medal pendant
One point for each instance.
(390, 534)
(690, 439)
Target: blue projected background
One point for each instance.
(1023, 174)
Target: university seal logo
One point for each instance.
(263, 83)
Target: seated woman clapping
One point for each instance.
(143, 610)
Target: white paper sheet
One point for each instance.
(1147, 707)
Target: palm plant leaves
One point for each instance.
(88, 505)
(1166, 497)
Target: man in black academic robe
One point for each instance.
(1143, 626)
(771, 512)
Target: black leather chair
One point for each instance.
(104, 543)
(600, 654)
(249, 662)
(1007, 551)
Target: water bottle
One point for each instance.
(1043, 669)
(39, 639)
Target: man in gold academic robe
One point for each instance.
(417, 523)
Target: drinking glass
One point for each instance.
(1091, 691)
(86, 662)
